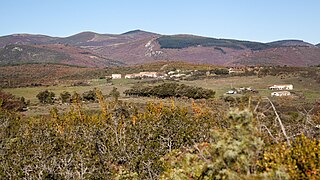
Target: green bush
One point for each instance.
(65, 97)
(89, 96)
(231, 154)
(171, 90)
(46, 97)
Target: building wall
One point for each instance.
(116, 76)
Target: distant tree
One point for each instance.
(46, 97)
(12, 103)
(65, 96)
(171, 90)
(89, 95)
(115, 93)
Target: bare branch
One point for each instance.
(280, 122)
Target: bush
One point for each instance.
(301, 160)
(46, 97)
(12, 103)
(231, 154)
(114, 93)
(65, 97)
(89, 96)
(120, 142)
(171, 90)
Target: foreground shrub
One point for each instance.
(231, 154)
(301, 160)
(120, 142)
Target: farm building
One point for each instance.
(141, 75)
(232, 92)
(148, 74)
(281, 87)
(281, 93)
(236, 70)
(116, 76)
(131, 76)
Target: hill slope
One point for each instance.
(25, 39)
(139, 47)
(284, 43)
(52, 53)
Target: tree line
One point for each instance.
(171, 90)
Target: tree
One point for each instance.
(89, 95)
(46, 97)
(114, 94)
(65, 96)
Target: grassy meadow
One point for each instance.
(302, 86)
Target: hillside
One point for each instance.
(185, 41)
(290, 56)
(53, 53)
(28, 74)
(139, 47)
(95, 39)
(284, 43)
(25, 39)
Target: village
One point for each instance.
(278, 90)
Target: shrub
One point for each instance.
(114, 93)
(89, 96)
(171, 90)
(301, 160)
(65, 97)
(12, 103)
(46, 97)
(231, 154)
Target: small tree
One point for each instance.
(114, 93)
(89, 95)
(65, 96)
(46, 97)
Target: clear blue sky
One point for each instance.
(257, 20)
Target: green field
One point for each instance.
(307, 87)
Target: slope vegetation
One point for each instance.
(52, 53)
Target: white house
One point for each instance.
(171, 72)
(236, 70)
(142, 74)
(148, 74)
(116, 76)
(281, 87)
(131, 76)
(231, 92)
(281, 93)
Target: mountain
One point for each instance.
(95, 39)
(291, 43)
(228, 52)
(53, 53)
(139, 47)
(25, 39)
(318, 45)
(290, 56)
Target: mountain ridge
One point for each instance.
(139, 47)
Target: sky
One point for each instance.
(254, 20)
